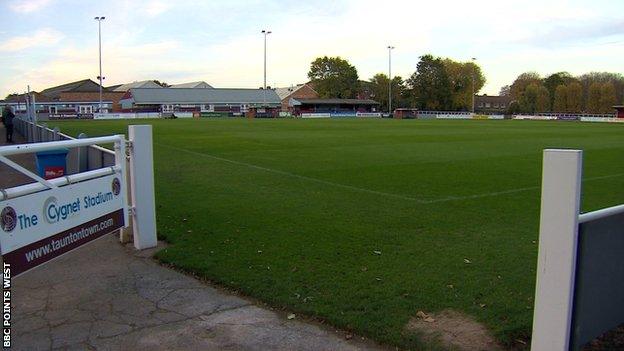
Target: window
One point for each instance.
(487, 105)
(85, 109)
(52, 109)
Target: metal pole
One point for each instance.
(264, 89)
(100, 19)
(265, 33)
(390, 79)
(473, 85)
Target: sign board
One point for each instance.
(315, 115)
(183, 114)
(568, 118)
(602, 119)
(70, 116)
(39, 227)
(454, 116)
(214, 114)
(368, 114)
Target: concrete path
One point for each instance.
(106, 296)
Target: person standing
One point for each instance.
(7, 119)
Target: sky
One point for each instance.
(49, 42)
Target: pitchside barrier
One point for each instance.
(45, 219)
(583, 117)
(580, 269)
(78, 159)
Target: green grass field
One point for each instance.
(292, 212)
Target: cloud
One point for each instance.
(155, 8)
(27, 6)
(42, 37)
(220, 42)
(122, 62)
(563, 34)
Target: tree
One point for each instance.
(607, 97)
(574, 97)
(616, 79)
(560, 104)
(430, 85)
(513, 108)
(522, 82)
(528, 99)
(535, 99)
(593, 98)
(333, 77)
(505, 90)
(462, 75)
(379, 86)
(542, 103)
(556, 79)
(162, 84)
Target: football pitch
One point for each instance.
(363, 223)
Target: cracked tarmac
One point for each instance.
(105, 296)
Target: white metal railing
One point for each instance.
(56, 182)
(28, 148)
(605, 212)
(42, 184)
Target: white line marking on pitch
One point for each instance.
(375, 192)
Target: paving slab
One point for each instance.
(107, 296)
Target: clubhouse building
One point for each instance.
(202, 101)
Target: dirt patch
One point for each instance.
(611, 340)
(454, 330)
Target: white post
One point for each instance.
(34, 103)
(142, 186)
(556, 265)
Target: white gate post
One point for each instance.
(142, 186)
(556, 263)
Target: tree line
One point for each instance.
(437, 84)
(594, 92)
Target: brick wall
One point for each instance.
(94, 96)
(305, 92)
